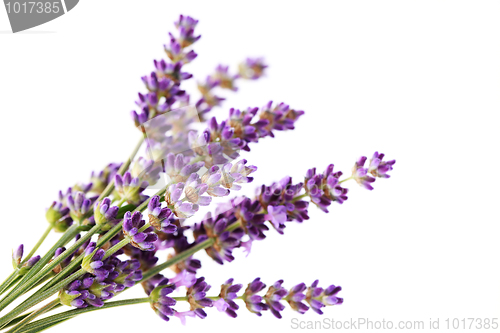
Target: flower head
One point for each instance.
(140, 237)
(252, 300)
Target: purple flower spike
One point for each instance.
(17, 256)
(143, 240)
(197, 297)
(227, 295)
(186, 26)
(160, 301)
(379, 168)
(252, 68)
(318, 297)
(55, 212)
(129, 188)
(92, 262)
(105, 214)
(161, 218)
(325, 188)
(360, 174)
(273, 296)
(225, 241)
(296, 296)
(252, 300)
(79, 205)
(28, 265)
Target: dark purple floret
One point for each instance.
(225, 241)
(379, 168)
(253, 301)
(296, 296)
(130, 189)
(160, 301)
(78, 205)
(105, 214)
(93, 262)
(161, 218)
(227, 295)
(273, 297)
(197, 297)
(318, 297)
(143, 240)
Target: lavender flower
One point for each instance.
(318, 297)
(105, 214)
(296, 296)
(28, 265)
(90, 290)
(79, 205)
(360, 174)
(379, 168)
(252, 300)
(273, 296)
(197, 297)
(129, 188)
(17, 256)
(92, 262)
(227, 295)
(142, 238)
(56, 212)
(160, 218)
(224, 241)
(186, 25)
(101, 179)
(325, 188)
(252, 68)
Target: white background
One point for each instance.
(417, 80)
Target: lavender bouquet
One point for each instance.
(115, 228)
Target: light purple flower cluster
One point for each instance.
(377, 168)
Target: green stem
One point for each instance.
(8, 282)
(47, 269)
(43, 327)
(233, 226)
(340, 182)
(70, 233)
(38, 297)
(37, 245)
(72, 313)
(116, 247)
(13, 283)
(17, 320)
(33, 315)
(299, 197)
